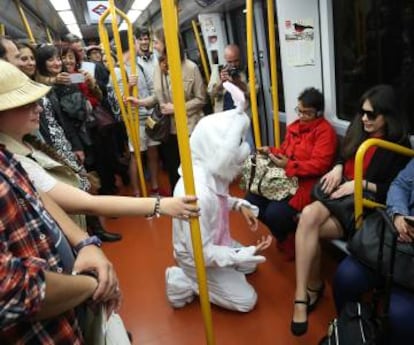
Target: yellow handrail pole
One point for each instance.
(252, 77)
(174, 62)
(48, 35)
(2, 29)
(273, 70)
(129, 115)
(201, 50)
(24, 20)
(359, 159)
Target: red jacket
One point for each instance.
(310, 149)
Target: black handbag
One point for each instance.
(341, 208)
(158, 125)
(378, 238)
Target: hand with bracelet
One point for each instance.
(179, 207)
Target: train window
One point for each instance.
(374, 43)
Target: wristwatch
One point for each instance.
(93, 240)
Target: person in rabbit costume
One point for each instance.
(218, 149)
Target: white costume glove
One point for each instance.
(247, 255)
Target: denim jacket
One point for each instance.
(400, 197)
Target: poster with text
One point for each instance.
(300, 42)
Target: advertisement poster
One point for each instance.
(300, 42)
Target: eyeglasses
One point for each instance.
(371, 114)
(302, 112)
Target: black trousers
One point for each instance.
(171, 157)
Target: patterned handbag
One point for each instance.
(262, 177)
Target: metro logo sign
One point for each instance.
(100, 9)
(96, 9)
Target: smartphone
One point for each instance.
(77, 78)
(409, 221)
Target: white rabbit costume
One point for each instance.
(218, 149)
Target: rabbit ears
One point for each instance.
(238, 96)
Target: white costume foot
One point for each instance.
(178, 287)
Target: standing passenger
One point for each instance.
(194, 94)
(231, 72)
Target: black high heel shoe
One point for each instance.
(319, 293)
(300, 328)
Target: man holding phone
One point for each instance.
(400, 203)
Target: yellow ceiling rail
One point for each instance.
(273, 70)
(129, 114)
(169, 16)
(359, 201)
(252, 77)
(24, 21)
(201, 50)
(48, 35)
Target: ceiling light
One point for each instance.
(60, 5)
(74, 29)
(140, 4)
(133, 15)
(67, 17)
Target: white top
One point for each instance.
(39, 177)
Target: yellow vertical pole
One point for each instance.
(2, 29)
(24, 21)
(48, 35)
(130, 115)
(174, 62)
(201, 50)
(273, 70)
(252, 77)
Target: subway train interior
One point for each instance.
(340, 47)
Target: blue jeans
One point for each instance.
(278, 216)
(352, 279)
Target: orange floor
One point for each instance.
(140, 260)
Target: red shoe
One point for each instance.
(289, 247)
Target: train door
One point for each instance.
(236, 27)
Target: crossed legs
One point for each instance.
(315, 222)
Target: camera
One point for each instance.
(233, 72)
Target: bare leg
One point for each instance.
(153, 163)
(314, 217)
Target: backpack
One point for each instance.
(361, 323)
(356, 325)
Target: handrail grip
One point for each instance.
(359, 201)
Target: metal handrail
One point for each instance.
(170, 20)
(24, 21)
(252, 77)
(273, 70)
(130, 115)
(359, 201)
(201, 50)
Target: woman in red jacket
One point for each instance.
(307, 152)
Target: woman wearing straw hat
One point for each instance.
(39, 293)
(19, 116)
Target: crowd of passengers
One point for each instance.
(53, 106)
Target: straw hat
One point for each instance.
(16, 88)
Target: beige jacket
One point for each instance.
(194, 92)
